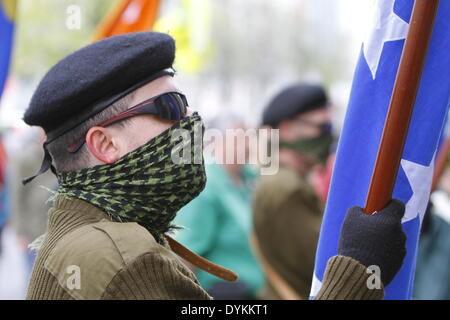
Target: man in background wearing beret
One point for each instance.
(288, 212)
(286, 206)
(109, 111)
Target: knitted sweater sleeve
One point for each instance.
(152, 276)
(346, 279)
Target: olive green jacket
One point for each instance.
(287, 216)
(87, 256)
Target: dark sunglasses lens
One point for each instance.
(171, 106)
(326, 128)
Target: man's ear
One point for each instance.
(103, 144)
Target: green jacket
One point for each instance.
(287, 216)
(87, 256)
(217, 225)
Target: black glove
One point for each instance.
(376, 239)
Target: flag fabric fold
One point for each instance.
(369, 101)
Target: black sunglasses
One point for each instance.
(169, 105)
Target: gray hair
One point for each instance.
(65, 161)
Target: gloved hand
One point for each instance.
(376, 239)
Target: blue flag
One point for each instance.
(7, 10)
(358, 145)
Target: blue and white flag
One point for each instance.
(7, 13)
(369, 100)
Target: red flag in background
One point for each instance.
(128, 16)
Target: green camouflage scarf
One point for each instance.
(320, 146)
(146, 185)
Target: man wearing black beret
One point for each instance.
(110, 111)
(114, 119)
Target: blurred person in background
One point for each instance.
(432, 278)
(4, 192)
(287, 208)
(217, 224)
(31, 202)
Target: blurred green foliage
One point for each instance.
(42, 37)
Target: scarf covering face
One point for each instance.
(319, 147)
(146, 186)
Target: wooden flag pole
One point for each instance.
(401, 105)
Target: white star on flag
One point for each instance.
(420, 178)
(315, 287)
(387, 27)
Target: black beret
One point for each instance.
(292, 101)
(92, 78)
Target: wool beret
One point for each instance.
(292, 101)
(92, 78)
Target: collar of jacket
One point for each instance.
(70, 213)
